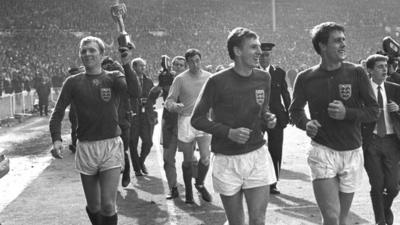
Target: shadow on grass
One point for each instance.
(301, 209)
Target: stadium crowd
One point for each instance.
(44, 48)
(43, 42)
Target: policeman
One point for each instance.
(143, 123)
(279, 92)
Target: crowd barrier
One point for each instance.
(22, 103)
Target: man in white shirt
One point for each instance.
(381, 141)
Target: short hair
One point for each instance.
(135, 61)
(372, 59)
(236, 38)
(97, 40)
(191, 52)
(177, 58)
(320, 33)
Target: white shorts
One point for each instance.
(231, 173)
(92, 157)
(328, 163)
(187, 133)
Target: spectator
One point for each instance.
(43, 91)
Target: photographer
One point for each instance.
(391, 49)
(143, 123)
(393, 75)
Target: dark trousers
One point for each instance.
(41, 107)
(125, 134)
(381, 157)
(142, 128)
(74, 126)
(275, 142)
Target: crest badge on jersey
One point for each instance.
(345, 91)
(96, 82)
(260, 96)
(105, 94)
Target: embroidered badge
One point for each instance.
(345, 91)
(105, 94)
(260, 97)
(96, 82)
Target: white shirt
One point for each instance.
(267, 68)
(388, 121)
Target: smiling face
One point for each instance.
(334, 50)
(90, 55)
(249, 53)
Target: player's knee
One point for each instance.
(331, 217)
(257, 220)
(205, 160)
(108, 209)
(94, 207)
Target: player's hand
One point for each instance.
(126, 54)
(392, 106)
(239, 135)
(178, 107)
(56, 152)
(271, 119)
(312, 128)
(336, 110)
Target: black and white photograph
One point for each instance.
(199, 112)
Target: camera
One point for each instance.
(391, 48)
(165, 62)
(143, 101)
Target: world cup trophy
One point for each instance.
(118, 13)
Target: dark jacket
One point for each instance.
(43, 90)
(279, 89)
(394, 77)
(392, 94)
(145, 103)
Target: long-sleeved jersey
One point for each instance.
(186, 88)
(236, 101)
(96, 100)
(318, 87)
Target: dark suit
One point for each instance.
(394, 77)
(142, 124)
(382, 155)
(279, 92)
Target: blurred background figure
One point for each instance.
(43, 91)
(279, 103)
